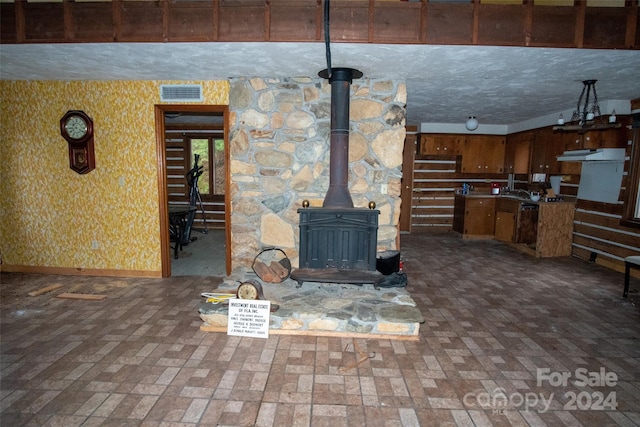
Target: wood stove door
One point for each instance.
(344, 240)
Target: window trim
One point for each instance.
(211, 138)
(633, 184)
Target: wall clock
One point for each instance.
(77, 128)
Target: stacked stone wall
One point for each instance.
(279, 156)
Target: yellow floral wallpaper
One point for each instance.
(108, 219)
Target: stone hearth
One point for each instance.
(326, 309)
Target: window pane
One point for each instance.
(201, 148)
(219, 178)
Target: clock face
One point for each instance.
(248, 291)
(76, 127)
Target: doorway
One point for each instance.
(192, 141)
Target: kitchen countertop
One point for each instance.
(566, 199)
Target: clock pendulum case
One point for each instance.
(77, 128)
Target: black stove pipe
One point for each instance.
(338, 195)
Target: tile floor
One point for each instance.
(495, 318)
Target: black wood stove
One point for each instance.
(338, 242)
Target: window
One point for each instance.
(210, 150)
(631, 210)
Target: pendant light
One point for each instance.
(587, 114)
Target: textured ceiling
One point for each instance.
(445, 84)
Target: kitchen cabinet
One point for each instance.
(473, 216)
(545, 150)
(483, 154)
(555, 229)
(571, 141)
(611, 138)
(517, 152)
(441, 144)
(516, 220)
(542, 229)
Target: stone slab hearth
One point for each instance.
(326, 309)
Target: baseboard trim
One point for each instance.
(69, 271)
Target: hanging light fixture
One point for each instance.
(472, 123)
(587, 114)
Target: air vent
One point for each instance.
(181, 93)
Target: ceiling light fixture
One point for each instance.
(472, 123)
(587, 114)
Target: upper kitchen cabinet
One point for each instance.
(483, 154)
(610, 138)
(545, 149)
(517, 152)
(441, 144)
(571, 141)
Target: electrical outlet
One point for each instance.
(383, 189)
(94, 244)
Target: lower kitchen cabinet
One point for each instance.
(555, 229)
(543, 229)
(516, 221)
(474, 216)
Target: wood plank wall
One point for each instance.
(179, 162)
(435, 180)
(358, 21)
(597, 233)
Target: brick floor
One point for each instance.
(494, 319)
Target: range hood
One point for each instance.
(591, 155)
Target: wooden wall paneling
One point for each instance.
(349, 21)
(67, 12)
(295, 20)
(553, 26)
(578, 36)
(629, 242)
(116, 13)
(449, 24)
(433, 189)
(44, 22)
(406, 191)
(602, 248)
(92, 21)
(525, 24)
(596, 219)
(216, 19)
(190, 21)
(632, 24)
(605, 208)
(605, 27)
(141, 21)
(242, 21)
(636, 18)
(396, 22)
(176, 165)
(8, 32)
(500, 25)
